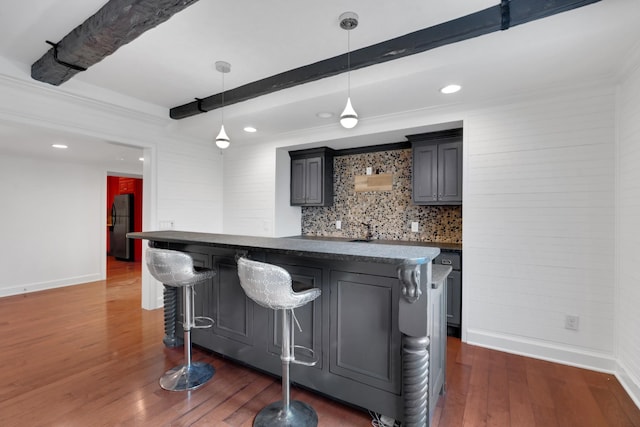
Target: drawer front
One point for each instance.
(449, 258)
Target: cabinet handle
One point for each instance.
(446, 261)
(449, 315)
(435, 196)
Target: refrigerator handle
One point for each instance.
(113, 215)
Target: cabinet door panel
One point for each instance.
(454, 298)
(234, 311)
(364, 338)
(450, 172)
(312, 177)
(425, 173)
(297, 181)
(437, 351)
(314, 181)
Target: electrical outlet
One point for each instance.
(338, 225)
(166, 224)
(414, 226)
(571, 322)
(369, 170)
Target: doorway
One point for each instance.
(117, 187)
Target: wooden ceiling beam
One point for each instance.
(500, 17)
(117, 23)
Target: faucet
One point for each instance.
(369, 234)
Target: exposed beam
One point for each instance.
(500, 17)
(117, 23)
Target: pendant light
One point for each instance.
(349, 117)
(222, 140)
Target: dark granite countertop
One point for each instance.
(338, 249)
(451, 247)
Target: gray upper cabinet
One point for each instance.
(312, 177)
(450, 172)
(425, 173)
(437, 168)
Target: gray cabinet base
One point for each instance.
(364, 359)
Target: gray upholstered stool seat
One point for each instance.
(270, 286)
(174, 268)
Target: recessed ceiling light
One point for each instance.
(141, 159)
(250, 129)
(61, 146)
(325, 115)
(451, 89)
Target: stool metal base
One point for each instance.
(187, 377)
(300, 414)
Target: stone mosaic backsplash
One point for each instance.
(390, 213)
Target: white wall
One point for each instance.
(51, 222)
(538, 226)
(288, 219)
(189, 186)
(628, 233)
(256, 191)
(249, 189)
(182, 176)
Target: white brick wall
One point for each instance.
(189, 186)
(628, 233)
(249, 189)
(538, 226)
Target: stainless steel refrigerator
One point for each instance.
(122, 223)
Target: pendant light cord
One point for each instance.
(349, 64)
(222, 112)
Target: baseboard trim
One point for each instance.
(552, 352)
(630, 383)
(42, 286)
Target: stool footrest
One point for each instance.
(312, 362)
(208, 322)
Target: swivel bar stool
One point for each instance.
(270, 286)
(174, 268)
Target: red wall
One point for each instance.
(121, 185)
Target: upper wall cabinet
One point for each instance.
(437, 168)
(312, 177)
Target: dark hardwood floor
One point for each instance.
(88, 355)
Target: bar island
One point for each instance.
(378, 327)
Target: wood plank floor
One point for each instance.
(88, 355)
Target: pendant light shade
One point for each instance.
(222, 140)
(349, 117)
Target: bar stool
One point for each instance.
(174, 268)
(270, 286)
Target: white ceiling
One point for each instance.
(37, 143)
(172, 64)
